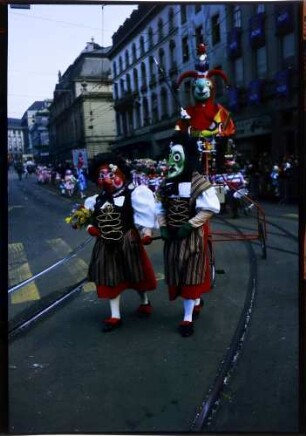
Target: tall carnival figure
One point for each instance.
(185, 202)
(123, 219)
(205, 118)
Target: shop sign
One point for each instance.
(253, 126)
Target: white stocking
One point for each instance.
(115, 307)
(188, 309)
(197, 301)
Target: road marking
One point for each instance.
(76, 266)
(290, 215)
(18, 271)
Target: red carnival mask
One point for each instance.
(110, 178)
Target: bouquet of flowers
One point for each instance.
(80, 217)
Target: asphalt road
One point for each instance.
(66, 376)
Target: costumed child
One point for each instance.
(185, 202)
(123, 220)
(82, 182)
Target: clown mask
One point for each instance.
(202, 89)
(176, 161)
(110, 178)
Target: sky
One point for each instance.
(47, 39)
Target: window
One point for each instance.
(198, 35)
(116, 90)
(143, 74)
(135, 77)
(261, 62)
(197, 8)
(171, 19)
(164, 103)
(215, 29)
(161, 54)
(260, 8)
(160, 29)
(151, 66)
(134, 56)
(237, 16)
(287, 46)
(183, 14)
(127, 59)
(128, 83)
(141, 43)
(146, 119)
(238, 71)
(120, 64)
(154, 108)
(172, 53)
(150, 38)
(122, 87)
(185, 48)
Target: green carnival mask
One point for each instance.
(176, 161)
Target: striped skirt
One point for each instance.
(187, 265)
(115, 267)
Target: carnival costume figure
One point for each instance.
(123, 220)
(205, 118)
(185, 202)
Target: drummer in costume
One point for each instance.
(123, 219)
(185, 202)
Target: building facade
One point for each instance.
(255, 44)
(15, 139)
(81, 115)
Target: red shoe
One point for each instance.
(186, 328)
(144, 310)
(111, 324)
(197, 309)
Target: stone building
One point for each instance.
(81, 115)
(15, 139)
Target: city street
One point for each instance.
(67, 376)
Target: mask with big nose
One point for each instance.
(110, 178)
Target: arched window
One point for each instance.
(120, 64)
(160, 29)
(150, 38)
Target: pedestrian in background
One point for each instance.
(82, 182)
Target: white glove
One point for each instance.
(184, 114)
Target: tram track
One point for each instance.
(209, 407)
(228, 364)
